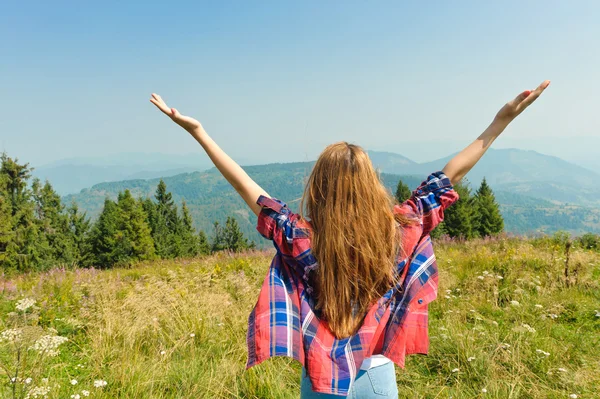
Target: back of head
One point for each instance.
(354, 239)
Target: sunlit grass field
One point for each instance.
(506, 324)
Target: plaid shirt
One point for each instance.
(283, 322)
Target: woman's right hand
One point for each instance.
(188, 123)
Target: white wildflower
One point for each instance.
(458, 290)
(448, 291)
(538, 306)
(73, 382)
(471, 359)
(447, 296)
(480, 277)
(28, 380)
(485, 273)
(38, 392)
(25, 304)
(494, 322)
(528, 327)
(13, 380)
(48, 344)
(504, 346)
(76, 396)
(541, 352)
(483, 390)
(12, 335)
(472, 310)
(562, 370)
(99, 383)
(573, 396)
(597, 313)
(220, 324)
(163, 352)
(85, 393)
(455, 370)
(499, 277)
(192, 335)
(514, 303)
(553, 316)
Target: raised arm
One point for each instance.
(462, 163)
(235, 175)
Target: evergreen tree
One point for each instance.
(203, 244)
(105, 238)
(26, 248)
(54, 223)
(218, 241)
(136, 234)
(459, 219)
(190, 242)
(164, 222)
(402, 192)
(489, 220)
(438, 231)
(6, 222)
(79, 228)
(233, 238)
(17, 176)
(121, 234)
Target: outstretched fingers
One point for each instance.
(160, 104)
(531, 96)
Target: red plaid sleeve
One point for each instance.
(431, 198)
(275, 222)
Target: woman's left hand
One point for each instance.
(188, 123)
(513, 108)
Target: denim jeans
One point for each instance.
(377, 383)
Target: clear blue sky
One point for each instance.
(278, 80)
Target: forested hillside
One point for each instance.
(210, 198)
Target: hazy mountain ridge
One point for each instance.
(524, 172)
(211, 198)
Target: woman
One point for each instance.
(347, 292)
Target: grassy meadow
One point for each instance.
(506, 324)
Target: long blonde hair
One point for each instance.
(355, 235)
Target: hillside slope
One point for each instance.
(210, 198)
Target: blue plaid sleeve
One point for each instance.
(275, 222)
(432, 197)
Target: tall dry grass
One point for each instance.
(505, 325)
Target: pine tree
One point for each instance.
(6, 221)
(26, 249)
(233, 238)
(137, 236)
(79, 228)
(489, 221)
(54, 223)
(402, 192)
(190, 242)
(17, 176)
(165, 223)
(218, 241)
(459, 219)
(105, 238)
(203, 244)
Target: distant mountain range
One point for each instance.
(537, 193)
(517, 171)
(69, 176)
